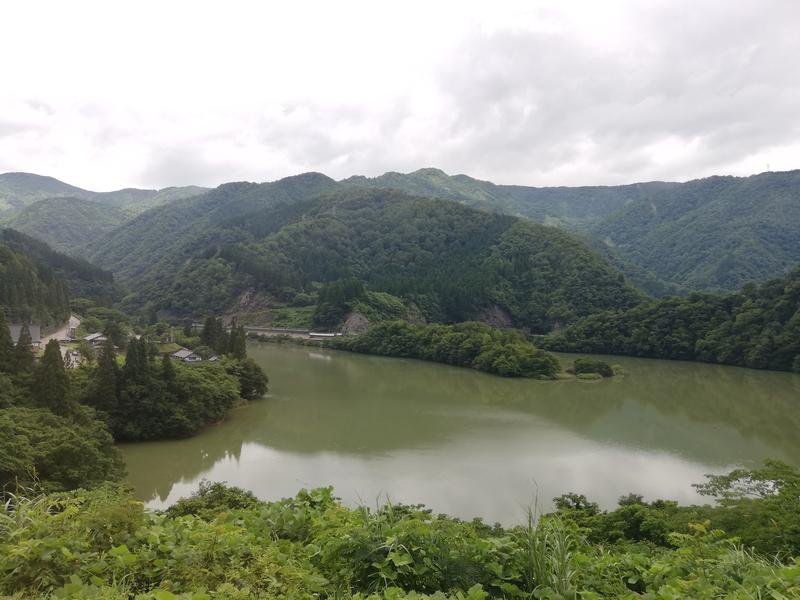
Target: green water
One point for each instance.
(471, 444)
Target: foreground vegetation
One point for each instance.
(758, 327)
(472, 345)
(224, 543)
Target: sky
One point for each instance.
(106, 95)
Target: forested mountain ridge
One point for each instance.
(66, 223)
(80, 278)
(165, 232)
(757, 327)
(712, 233)
(18, 190)
(575, 208)
(289, 237)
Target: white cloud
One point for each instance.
(106, 95)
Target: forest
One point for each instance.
(30, 291)
(758, 327)
(472, 345)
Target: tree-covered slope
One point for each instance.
(66, 223)
(757, 327)
(29, 291)
(714, 233)
(452, 261)
(81, 278)
(168, 232)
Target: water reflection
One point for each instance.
(473, 444)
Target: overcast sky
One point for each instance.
(151, 94)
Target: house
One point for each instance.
(186, 355)
(36, 334)
(96, 339)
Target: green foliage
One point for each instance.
(22, 358)
(50, 382)
(210, 499)
(252, 379)
(79, 277)
(148, 400)
(473, 345)
(592, 365)
(758, 327)
(29, 291)
(335, 300)
(223, 543)
(38, 447)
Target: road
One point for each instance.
(62, 332)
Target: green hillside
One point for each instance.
(713, 233)
(80, 278)
(29, 291)
(285, 238)
(66, 223)
(758, 327)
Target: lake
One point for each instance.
(472, 444)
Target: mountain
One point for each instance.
(21, 189)
(713, 233)
(574, 208)
(79, 277)
(162, 232)
(29, 291)
(66, 223)
(18, 190)
(757, 327)
(288, 237)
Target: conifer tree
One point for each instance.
(104, 393)
(23, 357)
(51, 382)
(238, 343)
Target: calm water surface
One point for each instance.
(471, 444)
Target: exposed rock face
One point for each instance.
(355, 323)
(496, 316)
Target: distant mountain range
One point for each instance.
(18, 190)
(716, 233)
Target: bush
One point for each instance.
(592, 365)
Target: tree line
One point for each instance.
(757, 327)
(472, 345)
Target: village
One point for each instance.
(79, 347)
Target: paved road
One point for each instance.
(61, 332)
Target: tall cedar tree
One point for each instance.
(6, 346)
(23, 357)
(237, 346)
(104, 393)
(51, 382)
(214, 335)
